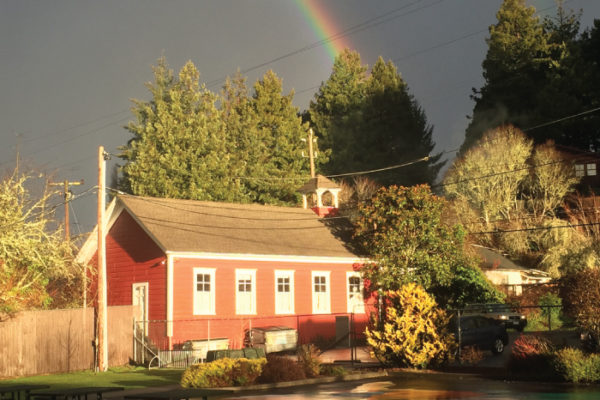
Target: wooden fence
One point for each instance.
(53, 341)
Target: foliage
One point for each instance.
(372, 121)
(504, 183)
(185, 146)
(414, 332)
(551, 309)
(308, 358)
(531, 354)
(403, 232)
(550, 181)
(537, 71)
(471, 355)
(33, 252)
(177, 149)
(580, 293)
(575, 366)
(277, 145)
(333, 370)
(500, 150)
(223, 372)
(281, 369)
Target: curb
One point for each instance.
(312, 381)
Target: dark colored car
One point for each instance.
(485, 333)
(500, 312)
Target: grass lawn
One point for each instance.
(127, 377)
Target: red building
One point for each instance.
(204, 270)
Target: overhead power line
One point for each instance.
(537, 228)
(370, 23)
(556, 121)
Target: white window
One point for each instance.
(591, 169)
(284, 292)
(356, 302)
(579, 170)
(245, 291)
(204, 291)
(320, 292)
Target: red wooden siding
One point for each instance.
(226, 323)
(132, 257)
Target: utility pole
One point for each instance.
(102, 329)
(67, 195)
(311, 153)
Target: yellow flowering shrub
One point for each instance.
(414, 332)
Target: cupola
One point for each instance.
(320, 187)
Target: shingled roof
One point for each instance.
(209, 227)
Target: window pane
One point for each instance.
(591, 169)
(579, 170)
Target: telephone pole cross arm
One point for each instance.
(67, 195)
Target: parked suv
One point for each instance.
(485, 333)
(500, 312)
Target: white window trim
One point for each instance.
(580, 170)
(356, 310)
(327, 275)
(213, 287)
(283, 273)
(252, 273)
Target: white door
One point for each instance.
(140, 306)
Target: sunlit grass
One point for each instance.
(126, 377)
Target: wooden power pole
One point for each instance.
(102, 321)
(311, 153)
(67, 196)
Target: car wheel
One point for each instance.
(498, 346)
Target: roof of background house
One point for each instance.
(494, 260)
(210, 227)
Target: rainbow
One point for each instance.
(323, 26)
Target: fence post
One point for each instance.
(549, 318)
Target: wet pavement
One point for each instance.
(431, 386)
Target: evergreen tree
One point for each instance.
(369, 122)
(336, 104)
(275, 166)
(394, 130)
(537, 72)
(514, 69)
(178, 149)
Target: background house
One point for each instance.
(202, 270)
(503, 272)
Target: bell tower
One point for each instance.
(318, 188)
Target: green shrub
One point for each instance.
(308, 358)
(332, 370)
(554, 313)
(224, 372)
(281, 369)
(575, 366)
